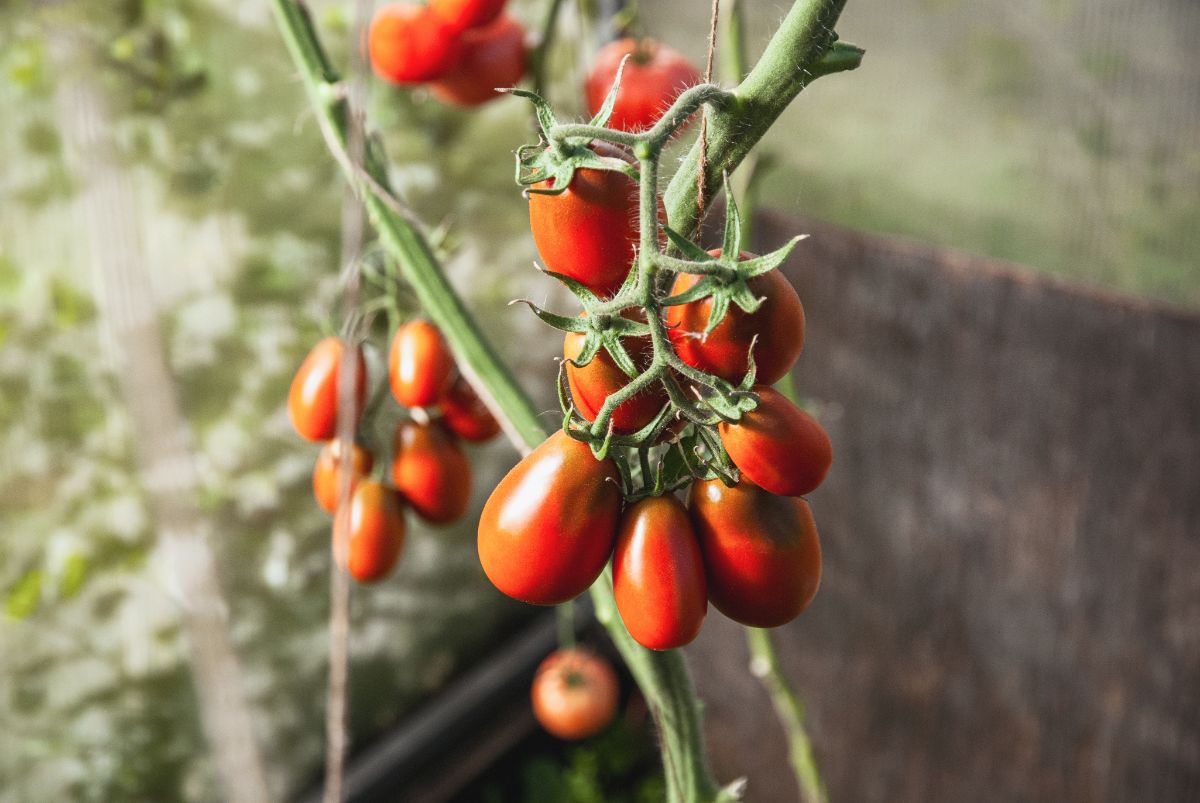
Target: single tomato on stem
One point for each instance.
(313, 397)
(463, 14)
(369, 536)
(778, 446)
(465, 414)
(548, 528)
(592, 384)
(408, 44)
(431, 472)
(778, 325)
(420, 365)
(654, 77)
(491, 58)
(326, 485)
(761, 552)
(574, 693)
(658, 574)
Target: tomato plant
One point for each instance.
(654, 76)
(463, 14)
(574, 693)
(420, 365)
(760, 551)
(658, 574)
(368, 538)
(592, 384)
(778, 446)
(490, 57)
(326, 487)
(431, 471)
(778, 326)
(548, 528)
(409, 44)
(465, 414)
(313, 398)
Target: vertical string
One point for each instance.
(701, 183)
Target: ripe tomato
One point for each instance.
(654, 76)
(368, 538)
(548, 528)
(590, 231)
(491, 57)
(420, 365)
(760, 551)
(466, 415)
(574, 693)
(658, 574)
(408, 44)
(463, 14)
(778, 446)
(326, 487)
(592, 384)
(312, 400)
(778, 324)
(431, 471)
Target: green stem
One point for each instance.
(764, 664)
(540, 55)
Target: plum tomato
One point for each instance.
(465, 414)
(312, 399)
(463, 14)
(492, 57)
(658, 574)
(778, 446)
(654, 76)
(574, 693)
(325, 473)
(408, 44)
(593, 383)
(368, 538)
(420, 366)
(761, 551)
(778, 324)
(431, 472)
(548, 528)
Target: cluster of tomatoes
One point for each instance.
(463, 49)
(429, 470)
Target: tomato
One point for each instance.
(368, 538)
(420, 365)
(312, 400)
(778, 446)
(574, 693)
(408, 44)
(548, 528)
(592, 384)
(589, 232)
(654, 76)
(491, 57)
(326, 487)
(760, 551)
(463, 14)
(431, 471)
(658, 574)
(778, 323)
(465, 414)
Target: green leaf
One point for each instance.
(610, 100)
(686, 247)
(559, 322)
(23, 598)
(716, 312)
(74, 572)
(756, 266)
(545, 114)
(731, 245)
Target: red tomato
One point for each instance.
(760, 551)
(312, 400)
(658, 574)
(590, 231)
(466, 415)
(492, 57)
(592, 384)
(548, 528)
(368, 538)
(574, 693)
(654, 76)
(463, 14)
(326, 487)
(408, 45)
(778, 324)
(778, 446)
(431, 471)
(420, 365)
